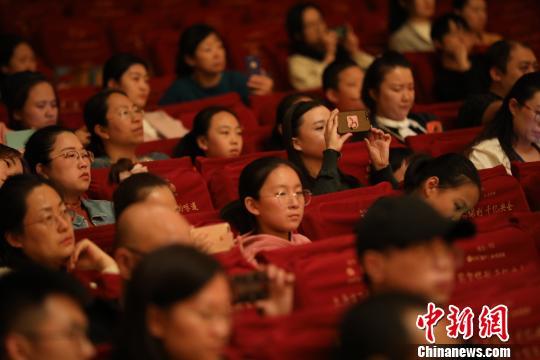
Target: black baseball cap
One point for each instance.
(404, 221)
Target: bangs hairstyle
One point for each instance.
(118, 64)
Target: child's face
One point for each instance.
(347, 95)
(9, 167)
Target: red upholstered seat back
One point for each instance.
(103, 236)
(528, 174)
(453, 140)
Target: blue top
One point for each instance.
(105, 161)
(100, 212)
(187, 89)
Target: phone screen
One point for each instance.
(253, 65)
(353, 121)
(250, 287)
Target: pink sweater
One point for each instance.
(251, 245)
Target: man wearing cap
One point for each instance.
(404, 244)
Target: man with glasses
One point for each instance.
(42, 316)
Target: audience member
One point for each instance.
(57, 155)
(200, 70)
(450, 183)
(506, 61)
(515, 131)
(16, 55)
(313, 46)
(475, 13)
(342, 85)
(10, 163)
(313, 145)
(216, 132)
(115, 126)
(413, 32)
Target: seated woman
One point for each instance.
(216, 133)
(313, 46)
(115, 126)
(449, 183)
(275, 142)
(16, 55)
(130, 74)
(10, 163)
(475, 14)
(200, 68)
(388, 93)
(56, 154)
(179, 306)
(313, 145)
(36, 228)
(270, 207)
(412, 34)
(514, 133)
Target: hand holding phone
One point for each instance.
(353, 121)
(253, 65)
(250, 287)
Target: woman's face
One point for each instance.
(9, 167)
(527, 119)
(224, 136)
(40, 108)
(280, 207)
(124, 121)
(199, 327)
(23, 59)
(47, 236)
(395, 96)
(135, 82)
(453, 203)
(424, 9)
(69, 167)
(209, 56)
(475, 14)
(310, 140)
(314, 26)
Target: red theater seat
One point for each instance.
(446, 112)
(528, 174)
(103, 236)
(165, 146)
(423, 65)
(72, 100)
(448, 141)
(264, 107)
(500, 193)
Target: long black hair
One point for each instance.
(502, 126)
(163, 278)
(452, 170)
(251, 181)
(40, 145)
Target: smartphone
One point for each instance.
(341, 31)
(353, 121)
(253, 65)
(213, 238)
(250, 287)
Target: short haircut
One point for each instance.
(330, 77)
(24, 293)
(441, 25)
(118, 64)
(498, 54)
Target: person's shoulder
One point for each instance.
(234, 77)
(157, 156)
(488, 145)
(177, 90)
(101, 162)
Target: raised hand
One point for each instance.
(334, 140)
(260, 84)
(378, 146)
(88, 256)
(281, 292)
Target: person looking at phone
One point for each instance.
(310, 135)
(449, 183)
(216, 132)
(388, 93)
(200, 70)
(411, 32)
(342, 84)
(313, 46)
(404, 244)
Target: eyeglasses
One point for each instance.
(130, 113)
(74, 155)
(285, 198)
(53, 219)
(536, 113)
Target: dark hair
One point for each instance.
(95, 113)
(295, 30)
(8, 44)
(15, 91)
(502, 126)
(24, 292)
(118, 167)
(330, 77)
(498, 54)
(41, 144)
(8, 153)
(275, 142)
(452, 170)
(188, 43)
(134, 189)
(251, 181)
(163, 278)
(118, 64)
(376, 327)
(187, 146)
(459, 4)
(398, 155)
(376, 72)
(398, 14)
(441, 25)
(13, 209)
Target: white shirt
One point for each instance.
(403, 128)
(489, 153)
